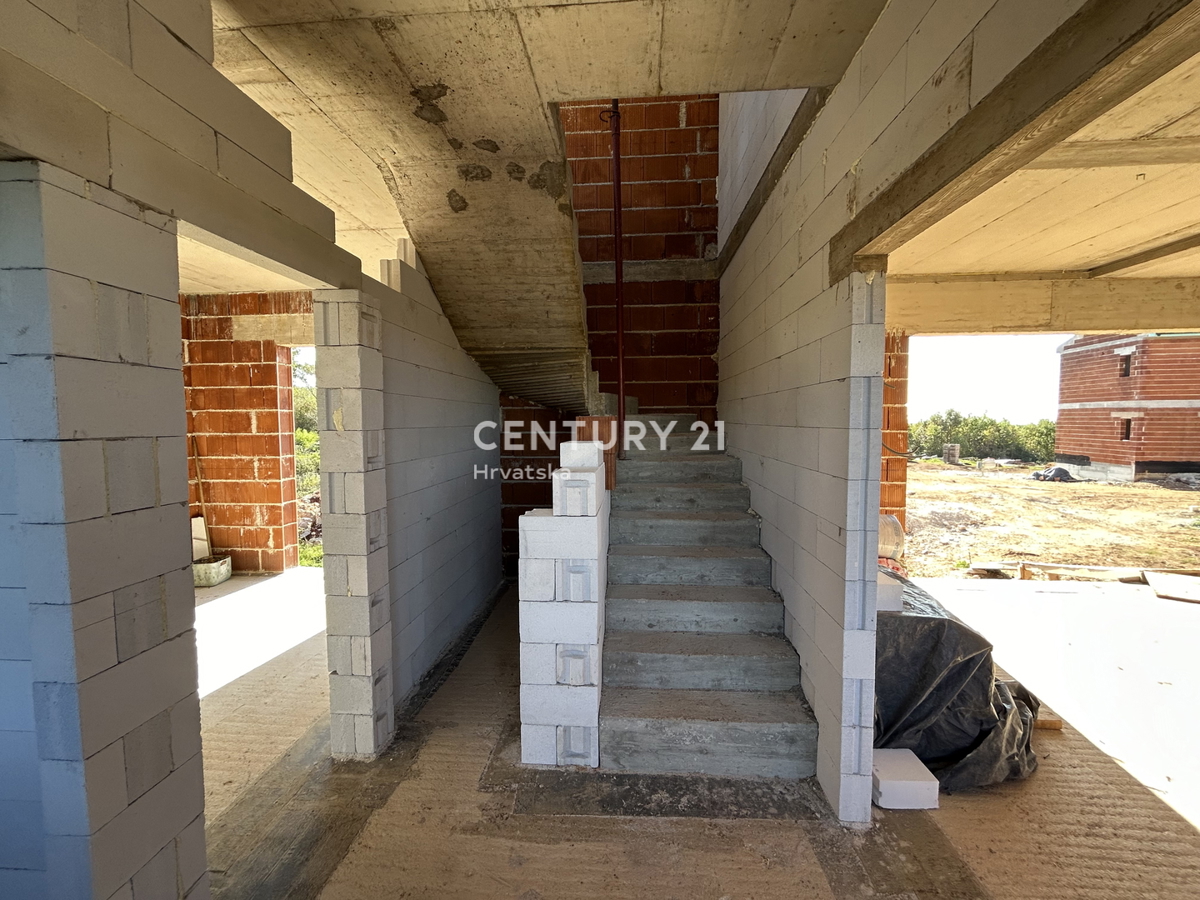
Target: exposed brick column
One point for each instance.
(241, 430)
(893, 481)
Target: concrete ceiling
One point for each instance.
(1118, 199)
(434, 119)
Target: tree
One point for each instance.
(304, 393)
(982, 436)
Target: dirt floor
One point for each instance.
(961, 516)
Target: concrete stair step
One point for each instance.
(712, 496)
(677, 442)
(675, 607)
(679, 467)
(734, 733)
(683, 421)
(692, 661)
(684, 528)
(655, 564)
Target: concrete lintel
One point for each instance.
(983, 304)
(1104, 54)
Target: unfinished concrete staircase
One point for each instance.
(698, 677)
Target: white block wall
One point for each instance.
(412, 536)
(443, 521)
(801, 357)
(563, 574)
(752, 125)
(101, 789)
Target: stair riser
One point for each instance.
(685, 615)
(683, 532)
(721, 469)
(683, 421)
(700, 498)
(675, 671)
(754, 572)
(708, 748)
(677, 442)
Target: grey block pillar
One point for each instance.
(99, 713)
(354, 518)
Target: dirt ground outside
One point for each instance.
(959, 516)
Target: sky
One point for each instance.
(1012, 377)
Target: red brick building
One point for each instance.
(1129, 405)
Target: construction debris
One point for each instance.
(1173, 586)
(900, 781)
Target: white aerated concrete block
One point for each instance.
(578, 492)
(539, 663)
(560, 704)
(546, 536)
(577, 664)
(560, 623)
(900, 781)
(580, 580)
(539, 745)
(535, 579)
(581, 454)
(889, 596)
(578, 745)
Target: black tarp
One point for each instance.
(936, 693)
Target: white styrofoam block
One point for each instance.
(581, 454)
(578, 580)
(560, 623)
(889, 596)
(900, 781)
(546, 536)
(539, 663)
(535, 579)
(578, 492)
(560, 704)
(539, 745)
(578, 745)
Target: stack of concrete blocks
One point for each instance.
(563, 578)
(101, 785)
(349, 336)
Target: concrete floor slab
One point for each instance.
(241, 629)
(1114, 660)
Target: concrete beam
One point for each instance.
(1024, 304)
(1104, 54)
(653, 270)
(1109, 154)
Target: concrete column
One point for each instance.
(845, 753)
(97, 575)
(354, 521)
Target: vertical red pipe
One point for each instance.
(619, 270)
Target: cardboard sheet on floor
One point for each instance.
(1175, 587)
(936, 693)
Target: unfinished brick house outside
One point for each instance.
(924, 166)
(1129, 406)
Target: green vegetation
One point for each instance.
(304, 393)
(982, 437)
(308, 462)
(312, 554)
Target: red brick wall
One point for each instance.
(893, 487)
(519, 495)
(669, 198)
(668, 172)
(1161, 369)
(672, 329)
(240, 428)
